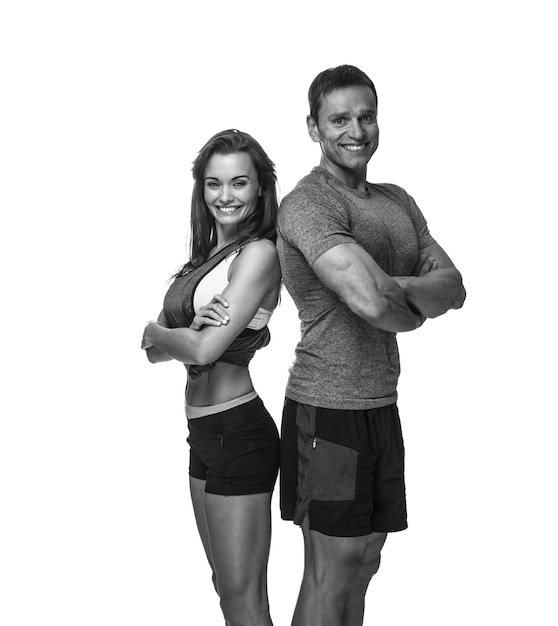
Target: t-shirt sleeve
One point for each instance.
(419, 221)
(313, 223)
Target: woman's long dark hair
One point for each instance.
(260, 224)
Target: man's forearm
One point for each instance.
(388, 309)
(435, 293)
(398, 320)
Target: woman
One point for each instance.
(234, 442)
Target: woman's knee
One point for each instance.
(241, 603)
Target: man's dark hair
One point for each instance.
(335, 78)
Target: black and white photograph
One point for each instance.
(279, 311)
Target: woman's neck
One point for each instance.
(225, 236)
(223, 240)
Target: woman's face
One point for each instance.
(231, 187)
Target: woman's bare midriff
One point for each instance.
(221, 383)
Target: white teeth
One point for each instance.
(227, 209)
(354, 148)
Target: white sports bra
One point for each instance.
(216, 281)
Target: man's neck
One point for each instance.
(355, 179)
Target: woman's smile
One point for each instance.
(230, 189)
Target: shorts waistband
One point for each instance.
(194, 412)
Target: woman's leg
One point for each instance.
(239, 529)
(197, 491)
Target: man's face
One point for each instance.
(347, 129)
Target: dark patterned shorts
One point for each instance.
(344, 469)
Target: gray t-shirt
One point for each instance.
(341, 361)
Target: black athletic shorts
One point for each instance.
(235, 451)
(345, 469)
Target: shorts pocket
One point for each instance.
(334, 471)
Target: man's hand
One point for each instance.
(435, 285)
(425, 264)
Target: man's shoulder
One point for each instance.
(393, 192)
(310, 187)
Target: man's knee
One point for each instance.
(371, 555)
(340, 562)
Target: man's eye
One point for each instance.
(367, 119)
(339, 121)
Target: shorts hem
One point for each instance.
(356, 532)
(394, 528)
(240, 492)
(287, 517)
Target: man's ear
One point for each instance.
(313, 129)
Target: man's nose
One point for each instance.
(355, 130)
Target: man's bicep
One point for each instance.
(359, 282)
(349, 271)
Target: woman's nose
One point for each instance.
(226, 194)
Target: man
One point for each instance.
(360, 265)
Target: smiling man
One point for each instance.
(360, 265)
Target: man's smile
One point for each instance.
(354, 147)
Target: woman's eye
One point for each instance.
(240, 183)
(212, 184)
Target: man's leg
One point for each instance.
(353, 613)
(337, 571)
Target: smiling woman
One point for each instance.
(231, 189)
(234, 442)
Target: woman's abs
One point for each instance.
(221, 383)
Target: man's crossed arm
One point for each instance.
(395, 304)
(436, 291)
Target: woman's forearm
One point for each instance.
(181, 344)
(156, 355)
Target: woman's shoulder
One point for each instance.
(258, 253)
(264, 248)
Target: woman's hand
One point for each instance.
(146, 341)
(212, 314)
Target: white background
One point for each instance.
(104, 107)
